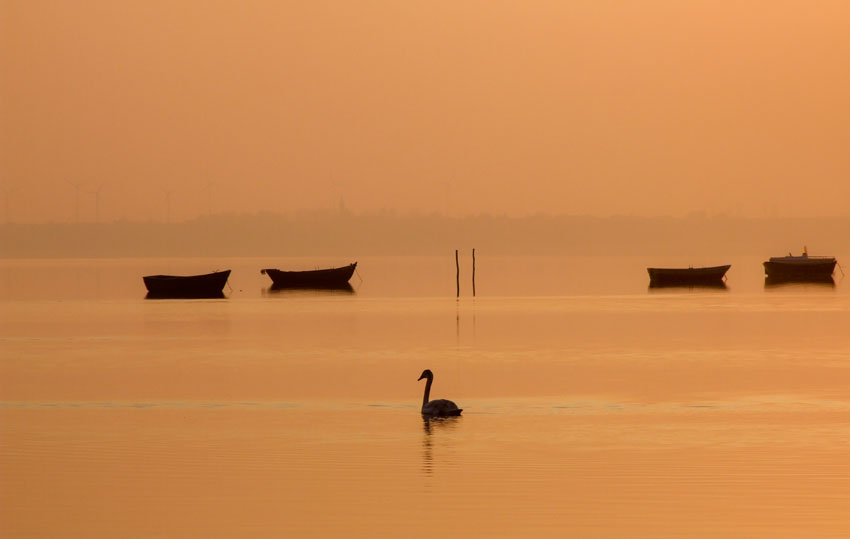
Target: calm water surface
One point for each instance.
(594, 406)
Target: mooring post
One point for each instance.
(473, 272)
(457, 275)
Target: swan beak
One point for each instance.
(421, 377)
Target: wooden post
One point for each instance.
(473, 272)
(457, 275)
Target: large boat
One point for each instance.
(318, 278)
(800, 268)
(208, 285)
(712, 275)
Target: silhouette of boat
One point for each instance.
(320, 278)
(687, 276)
(208, 285)
(800, 268)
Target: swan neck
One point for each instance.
(430, 379)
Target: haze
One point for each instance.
(175, 110)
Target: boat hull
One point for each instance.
(208, 285)
(322, 278)
(688, 276)
(816, 269)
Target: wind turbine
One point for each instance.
(96, 194)
(337, 192)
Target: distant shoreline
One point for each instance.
(385, 234)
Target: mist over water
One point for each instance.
(593, 404)
(698, 239)
(143, 112)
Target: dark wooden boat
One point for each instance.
(320, 278)
(800, 268)
(208, 285)
(688, 276)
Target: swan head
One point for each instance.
(425, 374)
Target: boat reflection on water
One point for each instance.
(659, 287)
(177, 295)
(333, 290)
(799, 282)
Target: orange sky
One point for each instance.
(588, 107)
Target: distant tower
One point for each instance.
(342, 209)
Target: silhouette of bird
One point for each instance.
(436, 407)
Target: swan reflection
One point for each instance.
(432, 427)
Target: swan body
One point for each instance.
(436, 407)
(440, 407)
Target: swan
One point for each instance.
(436, 407)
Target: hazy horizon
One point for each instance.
(114, 111)
(698, 236)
